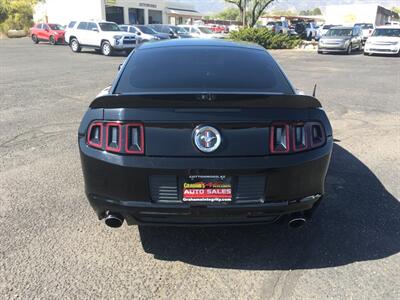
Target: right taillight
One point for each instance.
(134, 138)
(121, 138)
(291, 137)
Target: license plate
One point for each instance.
(207, 189)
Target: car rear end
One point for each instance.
(142, 162)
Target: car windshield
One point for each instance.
(109, 27)
(393, 32)
(205, 30)
(146, 30)
(55, 27)
(339, 32)
(178, 30)
(271, 23)
(201, 69)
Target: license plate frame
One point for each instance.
(207, 189)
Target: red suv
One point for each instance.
(52, 33)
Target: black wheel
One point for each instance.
(349, 49)
(75, 46)
(106, 48)
(35, 39)
(52, 40)
(320, 52)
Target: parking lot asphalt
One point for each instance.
(53, 246)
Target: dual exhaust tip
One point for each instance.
(115, 220)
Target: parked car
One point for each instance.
(102, 36)
(341, 39)
(163, 145)
(281, 27)
(367, 29)
(174, 32)
(323, 29)
(270, 25)
(198, 31)
(47, 32)
(147, 33)
(384, 40)
(306, 30)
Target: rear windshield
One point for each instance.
(198, 69)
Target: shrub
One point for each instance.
(266, 38)
(16, 14)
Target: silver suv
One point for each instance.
(106, 37)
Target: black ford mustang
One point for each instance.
(203, 132)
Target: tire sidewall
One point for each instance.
(35, 39)
(74, 45)
(349, 49)
(106, 48)
(52, 40)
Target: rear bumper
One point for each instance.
(123, 185)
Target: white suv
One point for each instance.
(101, 36)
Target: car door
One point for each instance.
(38, 30)
(81, 33)
(45, 32)
(93, 34)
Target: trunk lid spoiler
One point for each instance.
(205, 100)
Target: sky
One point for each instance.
(214, 6)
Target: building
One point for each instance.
(358, 13)
(119, 11)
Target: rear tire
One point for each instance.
(52, 40)
(320, 52)
(35, 39)
(75, 46)
(106, 48)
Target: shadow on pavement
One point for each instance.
(357, 221)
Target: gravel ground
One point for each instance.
(53, 246)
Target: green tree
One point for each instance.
(250, 10)
(16, 14)
(313, 12)
(231, 13)
(396, 9)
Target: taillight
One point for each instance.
(134, 138)
(113, 137)
(95, 135)
(291, 137)
(120, 138)
(279, 142)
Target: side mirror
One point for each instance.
(119, 67)
(138, 33)
(95, 29)
(171, 34)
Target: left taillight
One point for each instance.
(121, 138)
(95, 135)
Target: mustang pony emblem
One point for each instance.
(206, 138)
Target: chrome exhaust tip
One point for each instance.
(297, 220)
(113, 220)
